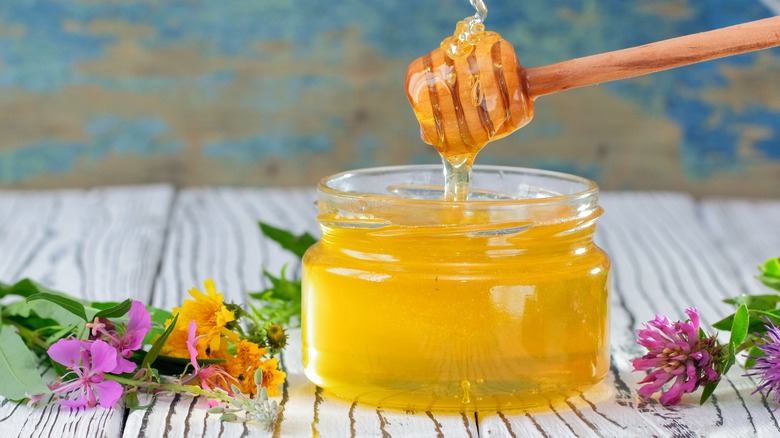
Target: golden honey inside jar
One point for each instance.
(412, 302)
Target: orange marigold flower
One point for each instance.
(272, 376)
(243, 365)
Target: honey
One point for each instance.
(413, 302)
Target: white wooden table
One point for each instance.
(153, 243)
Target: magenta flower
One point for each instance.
(676, 354)
(87, 362)
(210, 376)
(127, 337)
(767, 367)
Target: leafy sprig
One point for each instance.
(42, 319)
(281, 302)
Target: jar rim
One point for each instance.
(589, 187)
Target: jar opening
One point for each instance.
(412, 195)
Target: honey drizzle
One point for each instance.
(457, 168)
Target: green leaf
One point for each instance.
(158, 345)
(752, 355)
(59, 368)
(25, 288)
(229, 416)
(739, 326)
(159, 317)
(117, 310)
(755, 302)
(757, 322)
(59, 334)
(49, 314)
(102, 305)
(297, 244)
(171, 365)
(182, 361)
(739, 330)
(18, 370)
(282, 288)
(281, 302)
(131, 401)
(68, 304)
(770, 273)
(707, 392)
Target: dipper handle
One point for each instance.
(654, 57)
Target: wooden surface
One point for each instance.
(669, 252)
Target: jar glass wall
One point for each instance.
(417, 303)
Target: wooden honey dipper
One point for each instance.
(471, 91)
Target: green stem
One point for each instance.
(31, 337)
(190, 389)
(254, 316)
(744, 346)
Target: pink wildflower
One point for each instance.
(126, 338)
(210, 376)
(33, 400)
(676, 354)
(87, 361)
(767, 367)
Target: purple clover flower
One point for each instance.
(87, 361)
(676, 354)
(126, 338)
(767, 367)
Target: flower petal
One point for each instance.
(123, 365)
(211, 289)
(66, 352)
(78, 402)
(192, 344)
(108, 392)
(139, 325)
(103, 357)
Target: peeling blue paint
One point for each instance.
(108, 135)
(262, 147)
(52, 43)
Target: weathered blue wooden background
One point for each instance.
(262, 92)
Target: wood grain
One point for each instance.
(101, 244)
(747, 233)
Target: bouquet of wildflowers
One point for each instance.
(103, 351)
(681, 356)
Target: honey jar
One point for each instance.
(496, 302)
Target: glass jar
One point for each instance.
(413, 302)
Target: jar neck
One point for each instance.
(481, 240)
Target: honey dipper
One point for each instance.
(473, 90)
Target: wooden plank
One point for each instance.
(747, 233)
(214, 233)
(102, 244)
(663, 261)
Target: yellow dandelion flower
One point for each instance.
(176, 344)
(210, 314)
(272, 376)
